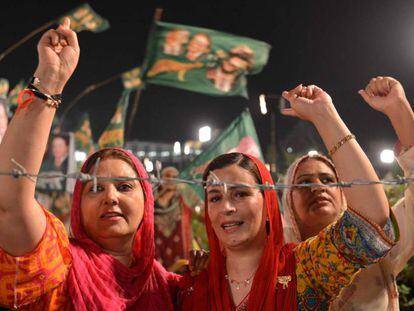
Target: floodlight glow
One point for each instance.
(149, 166)
(80, 156)
(177, 148)
(187, 149)
(204, 134)
(387, 156)
(262, 103)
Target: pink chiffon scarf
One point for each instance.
(98, 281)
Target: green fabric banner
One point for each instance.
(12, 97)
(85, 18)
(132, 79)
(113, 136)
(203, 60)
(83, 135)
(239, 136)
(4, 87)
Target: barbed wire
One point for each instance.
(21, 172)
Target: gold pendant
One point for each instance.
(284, 280)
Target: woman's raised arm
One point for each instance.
(22, 221)
(313, 104)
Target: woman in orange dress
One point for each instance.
(108, 263)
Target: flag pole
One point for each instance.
(82, 94)
(272, 148)
(157, 17)
(24, 39)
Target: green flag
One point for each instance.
(239, 136)
(85, 18)
(132, 79)
(203, 60)
(83, 135)
(13, 95)
(113, 136)
(4, 87)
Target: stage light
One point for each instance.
(387, 156)
(262, 103)
(204, 134)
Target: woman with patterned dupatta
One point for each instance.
(250, 267)
(375, 288)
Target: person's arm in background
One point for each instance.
(315, 105)
(386, 95)
(329, 261)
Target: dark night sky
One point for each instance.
(338, 45)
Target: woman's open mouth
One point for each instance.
(231, 226)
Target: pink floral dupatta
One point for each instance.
(98, 281)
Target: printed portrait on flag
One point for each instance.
(203, 60)
(85, 18)
(131, 79)
(55, 193)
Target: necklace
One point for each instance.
(244, 283)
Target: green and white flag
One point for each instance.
(132, 79)
(13, 95)
(239, 136)
(113, 136)
(203, 60)
(4, 87)
(85, 18)
(83, 135)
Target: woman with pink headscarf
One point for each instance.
(108, 263)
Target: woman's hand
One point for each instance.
(387, 95)
(384, 94)
(58, 51)
(309, 103)
(198, 261)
